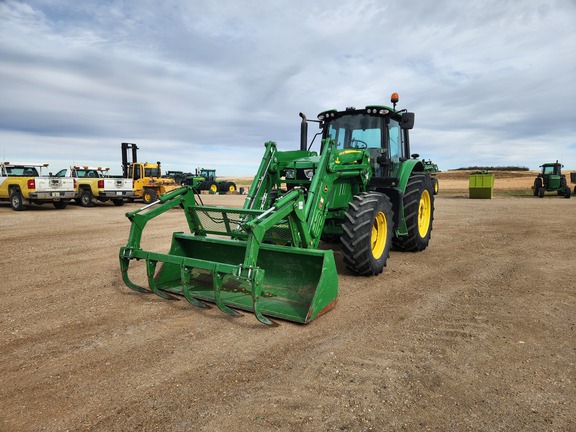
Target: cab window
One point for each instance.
(395, 139)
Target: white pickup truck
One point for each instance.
(23, 184)
(93, 184)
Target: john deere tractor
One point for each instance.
(551, 179)
(361, 188)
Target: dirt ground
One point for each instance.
(477, 333)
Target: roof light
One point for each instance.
(394, 98)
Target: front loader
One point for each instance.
(361, 189)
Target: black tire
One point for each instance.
(211, 186)
(541, 192)
(60, 205)
(118, 202)
(418, 213)
(567, 192)
(537, 185)
(367, 233)
(149, 196)
(16, 200)
(435, 185)
(86, 198)
(229, 187)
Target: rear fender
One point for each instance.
(406, 170)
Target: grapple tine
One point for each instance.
(217, 286)
(124, 264)
(185, 275)
(151, 271)
(256, 293)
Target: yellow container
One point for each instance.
(481, 186)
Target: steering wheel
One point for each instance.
(358, 143)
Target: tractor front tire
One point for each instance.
(541, 192)
(367, 233)
(418, 213)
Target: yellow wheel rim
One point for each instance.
(424, 213)
(436, 187)
(231, 188)
(379, 235)
(213, 188)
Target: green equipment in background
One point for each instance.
(551, 179)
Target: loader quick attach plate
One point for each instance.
(288, 283)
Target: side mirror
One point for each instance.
(407, 121)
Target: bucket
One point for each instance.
(290, 283)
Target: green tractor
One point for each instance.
(551, 179)
(205, 179)
(432, 168)
(361, 189)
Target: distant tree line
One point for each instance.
(492, 168)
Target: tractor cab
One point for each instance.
(381, 130)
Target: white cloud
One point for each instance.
(207, 83)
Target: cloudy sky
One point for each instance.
(206, 83)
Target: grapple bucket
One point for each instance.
(257, 268)
(287, 283)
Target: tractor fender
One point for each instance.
(408, 167)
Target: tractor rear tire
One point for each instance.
(435, 185)
(537, 186)
(367, 233)
(230, 187)
(418, 213)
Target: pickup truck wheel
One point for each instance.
(118, 202)
(16, 200)
(60, 204)
(86, 198)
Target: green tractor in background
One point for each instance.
(205, 179)
(551, 179)
(432, 168)
(362, 189)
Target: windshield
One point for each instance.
(152, 172)
(356, 131)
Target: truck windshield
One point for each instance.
(356, 131)
(152, 172)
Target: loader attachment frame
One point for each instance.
(256, 262)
